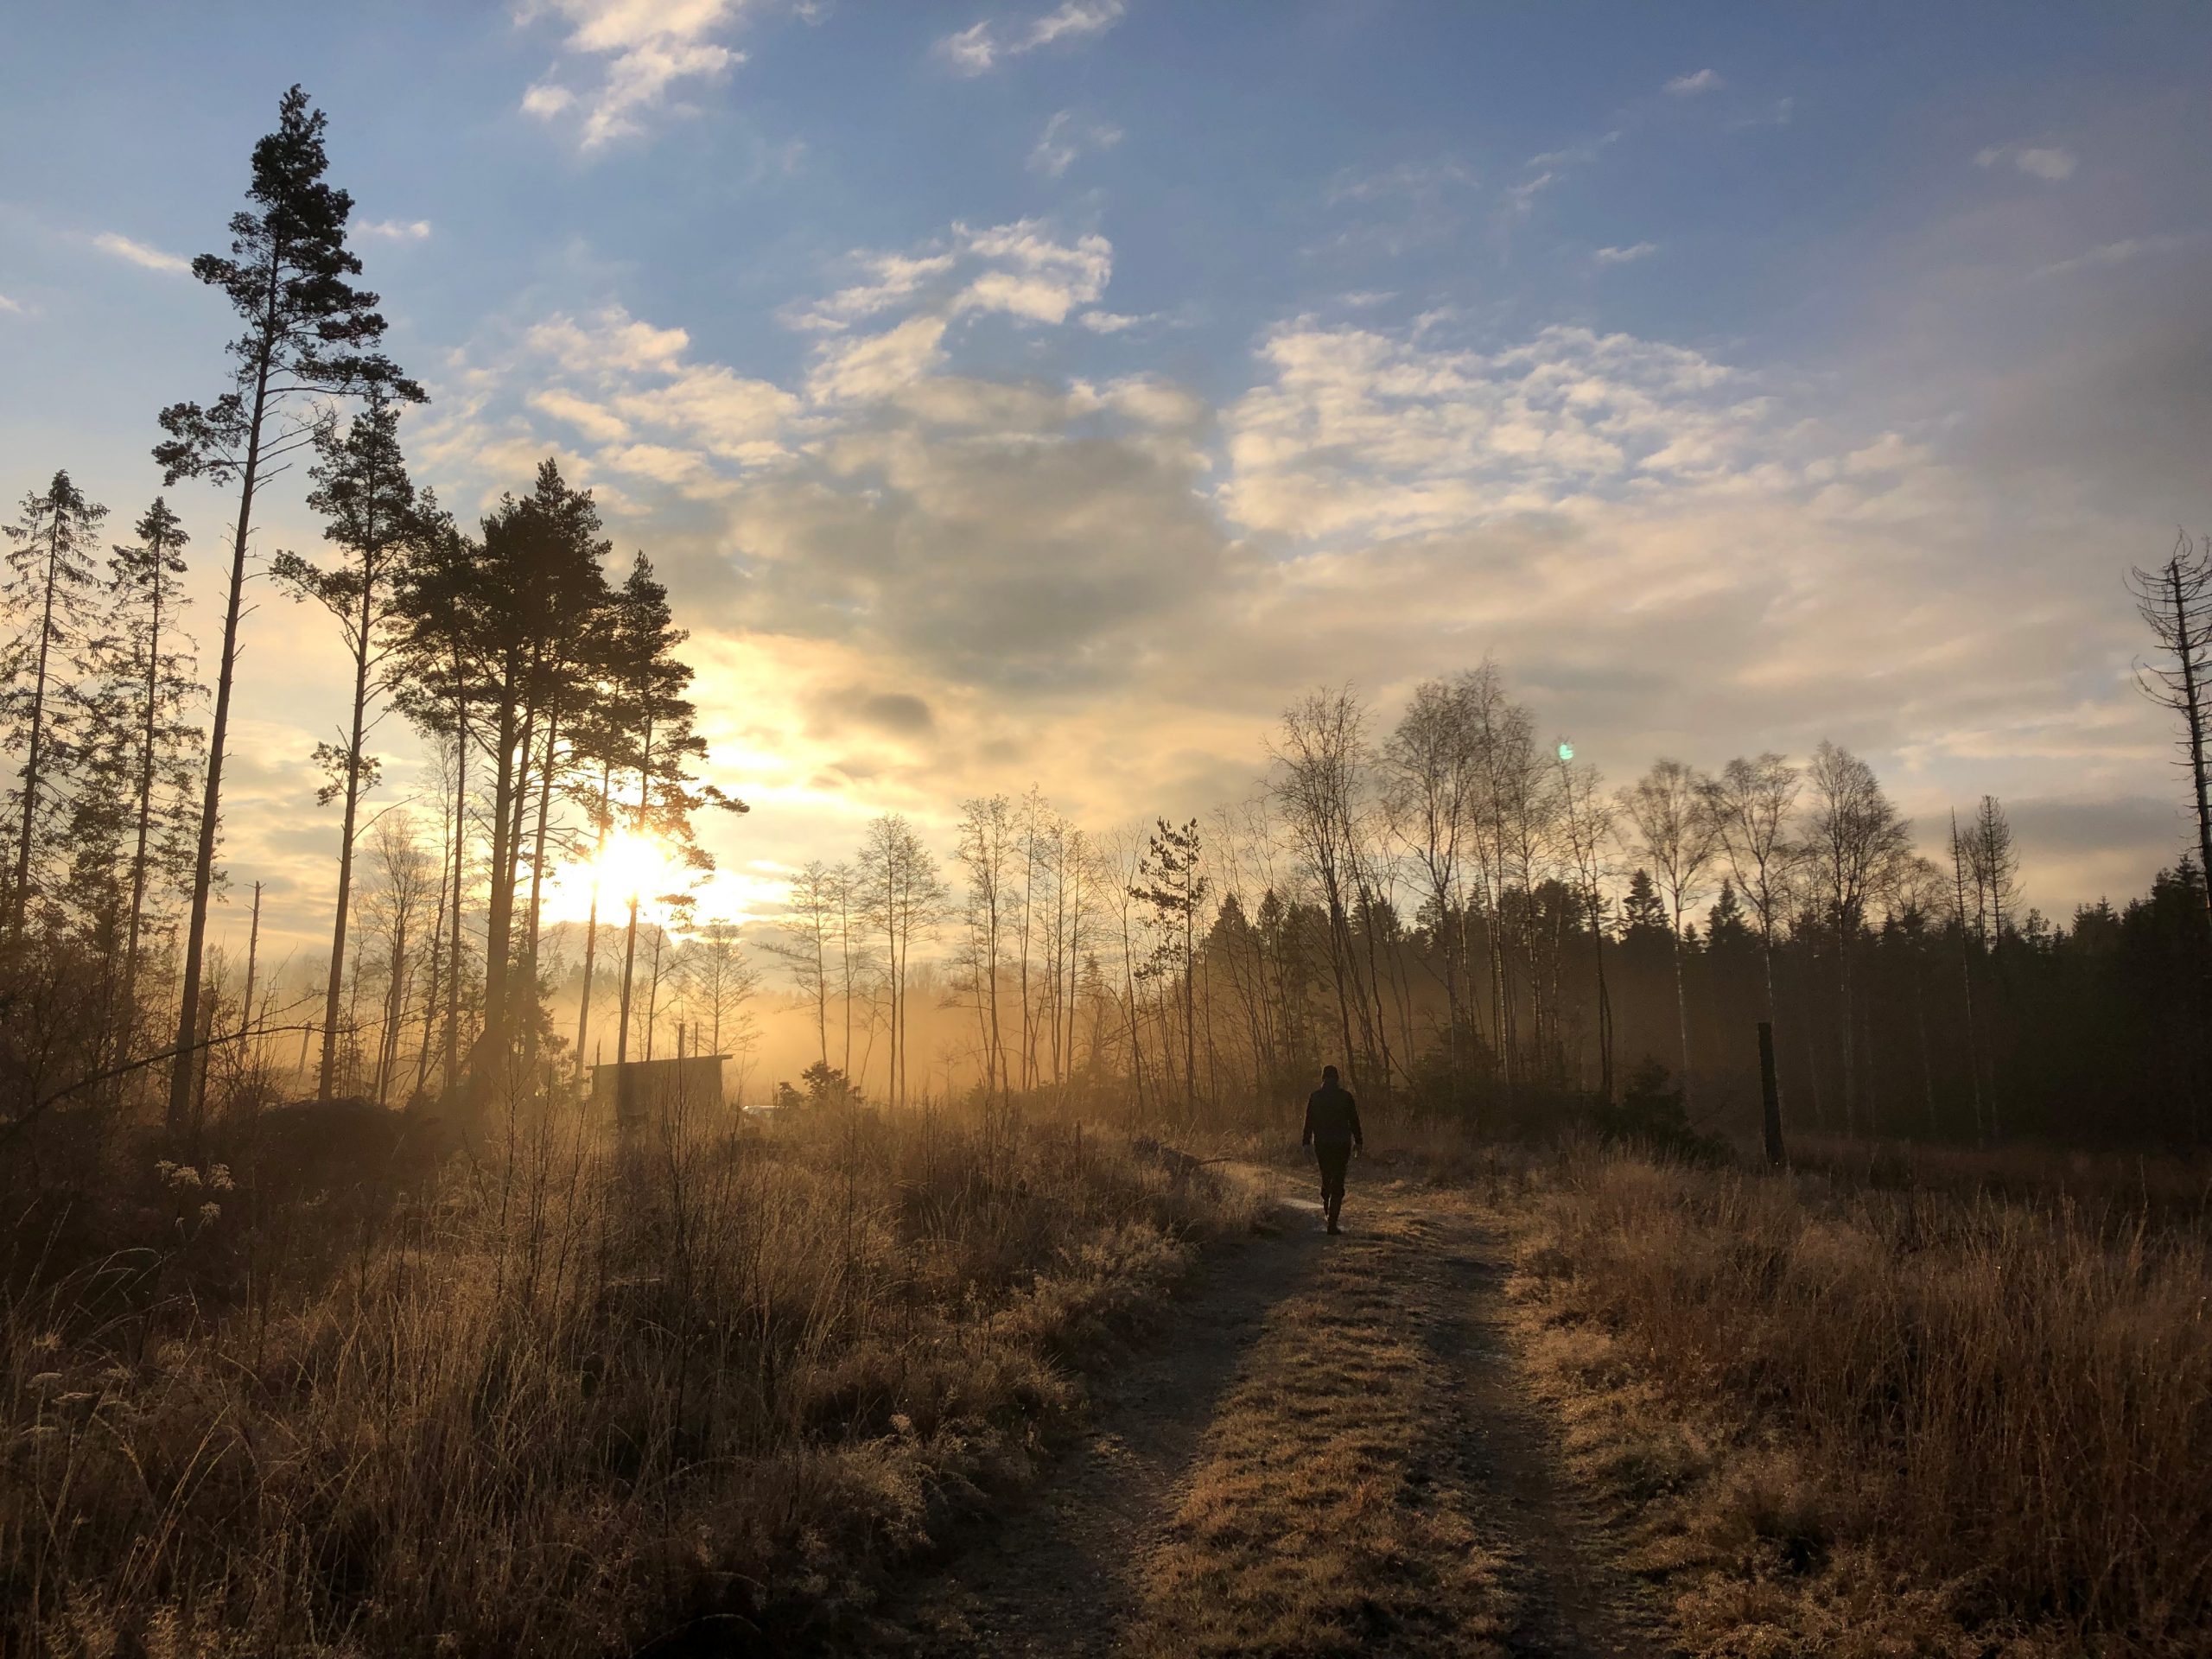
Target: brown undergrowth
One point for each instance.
(1881, 1423)
(570, 1398)
(1318, 1520)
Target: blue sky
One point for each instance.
(1049, 391)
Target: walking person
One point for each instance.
(1333, 1130)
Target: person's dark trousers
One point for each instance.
(1333, 1159)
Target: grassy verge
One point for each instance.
(570, 1400)
(1884, 1422)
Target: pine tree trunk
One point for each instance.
(181, 1070)
(629, 937)
(499, 900)
(346, 851)
(146, 747)
(591, 919)
(460, 877)
(538, 878)
(2192, 711)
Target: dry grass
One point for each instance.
(1319, 1520)
(1885, 1423)
(564, 1401)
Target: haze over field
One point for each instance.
(1049, 395)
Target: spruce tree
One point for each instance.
(140, 752)
(47, 593)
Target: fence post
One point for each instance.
(1769, 1097)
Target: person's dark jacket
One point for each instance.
(1331, 1118)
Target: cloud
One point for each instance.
(618, 374)
(13, 308)
(1062, 141)
(1627, 255)
(114, 242)
(1113, 323)
(610, 342)
(2052, 162)
(1033, 276)
(546, 100)
(1694, 86)
(913, 577)
(1523, 195)
(395, 229)
(874, 366)
(645, 48)
(586, 416)
(2124, 251)
(893, 714)
(1363, 431)
(982, 47)
(1418, 181)
(972, 51)
(1019, 269)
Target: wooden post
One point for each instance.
(1769, 1097)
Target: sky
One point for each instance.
(1049, 393)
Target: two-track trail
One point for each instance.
(1326, 1449)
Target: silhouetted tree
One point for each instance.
(48, 596)
(362, 490)
(309, 335)
(140, 754)
(2176, 601)
(1675, 832)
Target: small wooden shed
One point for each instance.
(641, 1091)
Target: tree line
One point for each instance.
(1468, 921)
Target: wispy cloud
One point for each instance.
(1113, 322)
(1780, 113)
(2124, 251)
(1523, 195)
(1626, 255)
(395, 229)
(1065, 140)
(982, 47)
(2050, 161)
(1694, 84)
(124, 247)
(1020, 268)
(13, 308)
(645, 47)
(1414, 180)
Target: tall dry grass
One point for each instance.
(570, 1398)
(2001, 1411)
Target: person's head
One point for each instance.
(1329, 1076)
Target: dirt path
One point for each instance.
(1328, 1450)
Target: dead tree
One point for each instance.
(2176, 601)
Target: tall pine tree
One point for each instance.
(362, 490)
(309, 335)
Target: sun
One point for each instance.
(630, 866)
(633, 866)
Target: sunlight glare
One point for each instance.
(634, 866)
